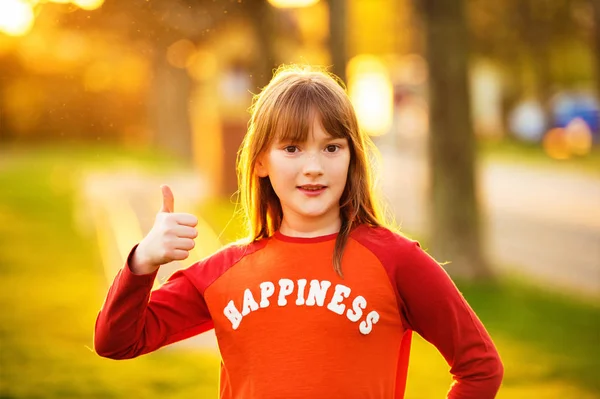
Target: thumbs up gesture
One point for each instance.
(171, 238)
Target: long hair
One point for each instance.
(284, 109)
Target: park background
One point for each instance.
(485, 114)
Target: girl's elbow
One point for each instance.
(499, 372)
(496, 373)
(105, 348)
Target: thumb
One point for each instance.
(168, 204)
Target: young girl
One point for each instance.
(322, 299)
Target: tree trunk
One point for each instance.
(596, 43)
(262, 16)
(169, 110)
(455, 230)
(337, 37)
(536, 31)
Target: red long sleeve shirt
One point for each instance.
(289, 327)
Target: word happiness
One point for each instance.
(315, 296)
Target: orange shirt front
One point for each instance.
(288, 326)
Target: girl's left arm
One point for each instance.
(434, 308)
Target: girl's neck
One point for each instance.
(309, 228)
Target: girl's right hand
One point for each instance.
(171, 238)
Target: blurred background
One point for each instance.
(486, 115)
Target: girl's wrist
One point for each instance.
(139, 265)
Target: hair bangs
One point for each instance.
(300, 105)
(331, 117)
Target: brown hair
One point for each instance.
(284, 109)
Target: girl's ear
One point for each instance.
(260, 168)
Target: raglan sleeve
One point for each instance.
(436, 310)
(135, 319)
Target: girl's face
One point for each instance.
(309, 179)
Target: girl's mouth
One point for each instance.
(312, 189)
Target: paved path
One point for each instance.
(540, 222)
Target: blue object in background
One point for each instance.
(568, 106)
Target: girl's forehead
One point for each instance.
(314, 132)
(311, 126)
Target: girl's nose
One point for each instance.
(312, 165)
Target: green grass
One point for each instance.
(52, 285)
(558, 327)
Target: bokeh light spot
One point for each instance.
(292, 3)
(179, 54)
(88, 4)
(16, 17)
(370, 90)
(555, 144)
(578, 137)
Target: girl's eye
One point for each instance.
(290, 149)
(332, 148)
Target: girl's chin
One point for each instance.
(315, 213)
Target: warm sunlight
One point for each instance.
(370, 90)
(16, 17)
(102, 102)
(292, 3)
(88, 4)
